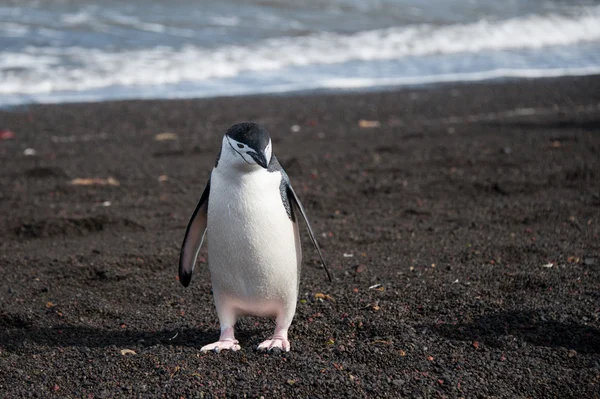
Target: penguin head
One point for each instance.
(246, 145)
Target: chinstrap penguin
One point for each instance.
(249, 213)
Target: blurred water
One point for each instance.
(80, 50)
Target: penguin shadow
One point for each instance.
(16, 334)
(506, 329)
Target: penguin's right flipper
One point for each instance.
(194, 236)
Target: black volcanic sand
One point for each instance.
(474, 208)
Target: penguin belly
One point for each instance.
(254, 251)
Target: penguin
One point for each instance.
(249, 215)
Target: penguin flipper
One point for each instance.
(293, 198)
(194, 236)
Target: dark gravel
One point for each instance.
(475, 207)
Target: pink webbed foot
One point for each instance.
(281, 343)
(229, 344)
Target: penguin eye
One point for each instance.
(240, 145)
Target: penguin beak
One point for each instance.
(259, 158)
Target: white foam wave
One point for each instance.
(11, 29)
(89, 16)
(136, 23)
(225, 21)
(335, 84)
(77, 19)
(361, 83)
(46, 70)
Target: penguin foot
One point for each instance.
(275, 343)
(229, 344)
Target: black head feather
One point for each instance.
(251, 134)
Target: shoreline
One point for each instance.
(487, 78)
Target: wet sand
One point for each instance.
(461, 224)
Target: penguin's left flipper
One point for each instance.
(293, 198)
(194, 236)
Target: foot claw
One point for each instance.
(220, 345)
(269, 345)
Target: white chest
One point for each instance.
(253, 246)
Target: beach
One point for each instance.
(461, 224)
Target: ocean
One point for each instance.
(81, 50)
